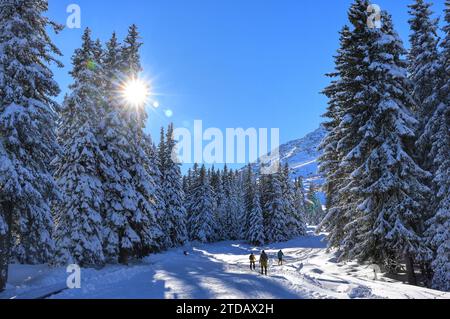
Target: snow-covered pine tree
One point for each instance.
(388, 182)
(131, 216)
(249, 194)
(152, 166)
(27, 128)
(144, 219)
(191, 180)
(163, 218)
(234, 205)
(423, 59)
(338, 94)
(315, 213)
(438, 230)
(220, 203)
(80, 166)
(228, 220)
(300, 204)
(255, 233)
(353, 115)
(276, 224)
(201, 219)
(238, 210)
(120, 195)
(294, 215)
(173, 193)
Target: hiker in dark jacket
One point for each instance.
(280, 258)
(252, 262)
(264, 262)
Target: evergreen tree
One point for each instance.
(191, 181)
(163, 217)
(228, 221)
(79, 223)
(274, 210)
(201, 222)
(131, 191)
(340, 99)
(300, 205)
(249, 196)
(255, 233)
(423, 58)
(353, 111)
(294, 214)
(315, 213)
(220, 204)
(237, 205)
(388, 182)
(438, 230)
(27, 128)
(173, 194)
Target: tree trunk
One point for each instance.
(5, 245)
(123, 256)
(412, 280)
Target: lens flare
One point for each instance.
(135, 92)
(168, 113)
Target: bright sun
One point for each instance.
(136, 92)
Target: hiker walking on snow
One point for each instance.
(264, 261)
(252, 262)
(280, 258)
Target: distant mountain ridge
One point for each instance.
(302, 156)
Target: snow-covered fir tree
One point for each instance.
(275, 217)
(349, 108)
(339, 98)
(314, 210)
(294, 212)
(249, 188)
(300, 204)
(173, 192)
(27, 128)
(80, 166)
(381, 185)
(220, 203)
(201, 215)
(190, 181)
(388, 181)
(438, 128)
(130, 215)
(162, 216)
(424, 72)
(255, 232)
(423, 58)
(231, 221)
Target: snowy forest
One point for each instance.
(83, 183)
(386, 157)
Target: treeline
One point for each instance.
(386, 157)
(231, 205)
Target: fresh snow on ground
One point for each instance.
(220, 271)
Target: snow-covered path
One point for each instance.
(221, 271)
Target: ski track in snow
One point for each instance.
(220, 271)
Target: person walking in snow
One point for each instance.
(264, 261)
(280, 258)
(252, 262)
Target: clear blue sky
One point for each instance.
(230, 63)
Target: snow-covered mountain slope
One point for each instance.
(221, 270)
(302, 156)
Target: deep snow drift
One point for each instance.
(220, 271)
